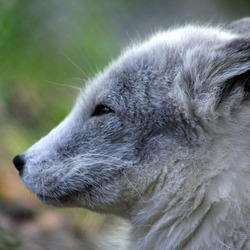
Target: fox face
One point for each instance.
(158, 126)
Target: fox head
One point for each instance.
(167, 119)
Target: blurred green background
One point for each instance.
(47, 48)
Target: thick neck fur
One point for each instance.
(198, 220)
(208, 208)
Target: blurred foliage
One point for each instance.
(7, 240)
(43, 45)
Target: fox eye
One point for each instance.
(102, 110)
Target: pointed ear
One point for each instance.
(241, 81)
(235, 72)
(241, 26)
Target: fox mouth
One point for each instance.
(63, 198)
(54, 200)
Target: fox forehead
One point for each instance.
(172, 43)
(149, 68)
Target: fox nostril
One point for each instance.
(19, 163)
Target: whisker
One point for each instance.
(133, 186)
(65, 85)
(85, 58)
(76, 65)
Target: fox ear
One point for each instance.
(239, 52)
(241, 26)
(235, 72)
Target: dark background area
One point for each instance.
(48, 49)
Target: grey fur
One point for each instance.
(172, 153)
(241, 26)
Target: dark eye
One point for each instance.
(102, 110)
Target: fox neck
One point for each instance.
(198, 217)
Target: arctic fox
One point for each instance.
(161, 138)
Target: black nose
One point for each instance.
(19, 163)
